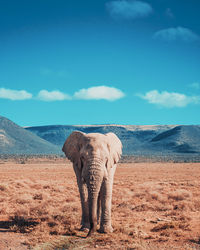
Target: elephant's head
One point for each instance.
(81, 148)
(94, 155)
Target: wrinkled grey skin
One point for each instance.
(94, 158)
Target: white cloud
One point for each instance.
(169, 100)
(50, 96)
(195, 85)
(13, 95)
(93, 93)
(176, 34)
(128, 9)
(99, 92)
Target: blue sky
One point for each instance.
(100, 62)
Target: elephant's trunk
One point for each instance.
(94, 178)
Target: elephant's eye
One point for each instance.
(82, 157)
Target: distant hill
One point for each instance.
(181, 139)
(136, 140)
(17, 140)
(149, 140)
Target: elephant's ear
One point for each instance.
(72, 146)
(115, 149)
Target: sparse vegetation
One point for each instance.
(155, 206)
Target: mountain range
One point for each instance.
(17, 140)
(143, 140)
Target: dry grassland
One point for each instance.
(155, 206)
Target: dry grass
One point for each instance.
(155, 206)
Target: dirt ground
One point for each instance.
(155, 206)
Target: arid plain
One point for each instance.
(155, 206)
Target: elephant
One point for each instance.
(94, 157)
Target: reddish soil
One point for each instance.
(155, 206)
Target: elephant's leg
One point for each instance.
(84, 199)
(98, 209)
(106, 200)
(84, 205)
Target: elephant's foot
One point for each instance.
(93, 228)
(106, 229)
(91, 231)
(85, 227)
